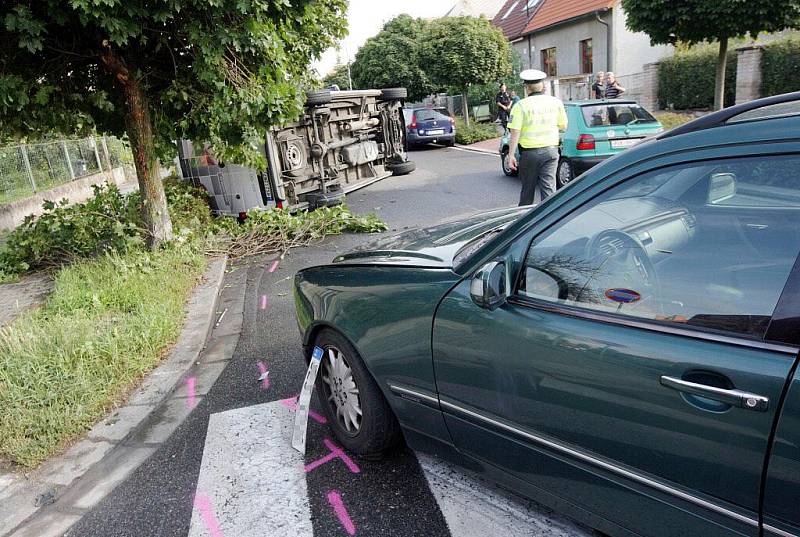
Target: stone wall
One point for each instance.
(12, 214)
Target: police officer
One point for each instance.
(535, 122)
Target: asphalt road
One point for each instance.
(396, 496)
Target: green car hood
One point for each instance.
(434, 246)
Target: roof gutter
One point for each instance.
(609, 48)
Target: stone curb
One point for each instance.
(477, 150)
(53, 497)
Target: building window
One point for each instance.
(549, 61)
(586, 56)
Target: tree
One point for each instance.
(693, 21)
(462, 51)
(338, 76)
(158, 70)
(391, 59)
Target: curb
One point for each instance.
(54, 496)
(476, 150)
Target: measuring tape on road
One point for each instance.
(304, 402)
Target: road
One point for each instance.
(228, 469)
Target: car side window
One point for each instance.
(707, 244)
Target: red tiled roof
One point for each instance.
(555, 11)
(518, 17)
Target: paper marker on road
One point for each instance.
(264, 377)
(304, 402)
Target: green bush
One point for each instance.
(107, 222)
(476, 132)
(780, 67)
(686, 80)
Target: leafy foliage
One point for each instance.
(462, 51)
(780, 67)
(475, 132)
(695, 21)
(216, 70)
(338, 77)
(686, 80)
(392, 59)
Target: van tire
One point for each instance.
(316, 98)
(402, 168)
(393, 94)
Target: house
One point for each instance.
(570, 40)
(475, 8)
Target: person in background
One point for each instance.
(514, 98)
(534, 125)
(599, 86)
(613, 88)
(503, 106)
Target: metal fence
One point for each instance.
(29, 168)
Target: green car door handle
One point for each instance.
(738, 398)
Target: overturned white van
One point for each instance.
(344, 140)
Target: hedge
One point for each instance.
(686, 80)
(780, 67)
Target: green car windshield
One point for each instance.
(605, 115)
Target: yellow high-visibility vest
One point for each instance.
(538, 118)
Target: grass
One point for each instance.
(109, 321)
(670, 120)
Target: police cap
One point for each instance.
(530, 76)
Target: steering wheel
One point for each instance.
(618, 254)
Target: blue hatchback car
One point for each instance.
(429, 125)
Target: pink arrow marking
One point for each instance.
(335, 453)
(292, 404)
(203, 504)
(335, 499)
(273, 266)
(191, 382)
(263, 369)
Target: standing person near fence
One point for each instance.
(613, 88)
(535, 122)
(503, 105)
(599, 86)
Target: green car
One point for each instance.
(596, 130)
(626, 352)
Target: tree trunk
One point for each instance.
(719, 83)
(465, 105)
(140, 133)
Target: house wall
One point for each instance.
(631, 51)
(566, 38)
(521, 46)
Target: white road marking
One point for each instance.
(475, 508)
(253, 479)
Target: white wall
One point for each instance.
(632, 50)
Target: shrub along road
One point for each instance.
(397, 496)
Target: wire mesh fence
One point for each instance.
(30, 168)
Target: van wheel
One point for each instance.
(402, 168)
(564, 173)
(393, 94)
(505, 165)
(316, 98)
(357, 411)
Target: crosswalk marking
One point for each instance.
(254, 481)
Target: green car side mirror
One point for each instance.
(488, 285)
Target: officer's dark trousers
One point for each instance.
(537, 166)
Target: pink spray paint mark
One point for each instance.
(335, 499)
(203, 504)
(291, 403)
(335, 453)
(263, 369)
(273, 266)
(263, 302)
(191, 383)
